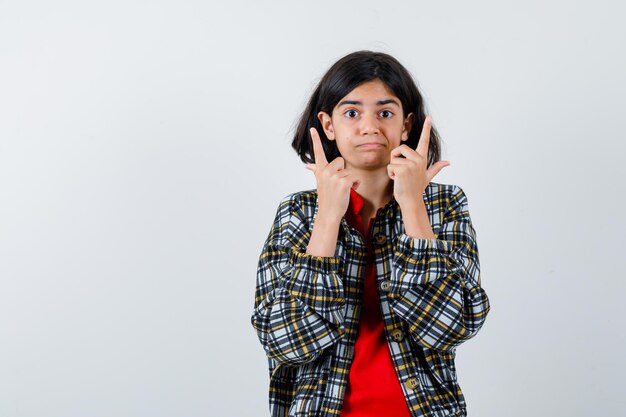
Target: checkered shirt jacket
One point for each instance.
(306, 308)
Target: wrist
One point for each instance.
(323, 241)
(413, 205)
(416, 221)
(325, 219)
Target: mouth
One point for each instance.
(371, 145)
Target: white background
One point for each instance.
(144, 147)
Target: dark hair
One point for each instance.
(344, 76)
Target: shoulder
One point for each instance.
(294, 213)
(300, 204)
(437, 191)
(301, 198)
(448, 199)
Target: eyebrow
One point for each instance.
(378, 103)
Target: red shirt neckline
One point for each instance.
(373, 387)
(356, 202)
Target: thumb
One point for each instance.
(310, 167)
(436, 168)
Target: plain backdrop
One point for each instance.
(145, 146)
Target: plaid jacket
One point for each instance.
(306, 308)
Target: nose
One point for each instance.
(369, 124)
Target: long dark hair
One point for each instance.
(344, 76)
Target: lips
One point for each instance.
(371, 145)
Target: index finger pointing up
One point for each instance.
(318, 149)
(422, 146)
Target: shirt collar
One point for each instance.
(356, 202)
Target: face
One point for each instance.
(367, 124)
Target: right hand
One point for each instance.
(333, 181)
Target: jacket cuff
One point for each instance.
(320, 264)
(419, 261)
(315, 281)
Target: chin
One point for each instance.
(377, 164)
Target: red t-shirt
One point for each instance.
(373, 386)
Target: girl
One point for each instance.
(367, 284)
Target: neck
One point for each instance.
(376, 188)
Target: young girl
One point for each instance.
(367, 284)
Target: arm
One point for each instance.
(436, 282)
(299, 301)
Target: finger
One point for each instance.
(422, 145)
(396, 160)
(337, 164)
(391, 172)
(318, 149)
(406, 151)
(310, 167)
(347, 175)
(351, 180)
(343, 173)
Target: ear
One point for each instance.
(327, 124)
(407, 125)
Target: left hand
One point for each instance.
(409, 174)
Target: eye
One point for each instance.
(386, 114)
(351, 114)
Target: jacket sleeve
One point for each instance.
(435, 283)
(299, 301)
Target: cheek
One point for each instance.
(342, 147)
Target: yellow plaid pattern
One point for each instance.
(306, 308)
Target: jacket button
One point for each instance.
(397, 335)
(380, 238)
(412, 383)
(385, 285)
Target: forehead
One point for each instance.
(370, 92)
